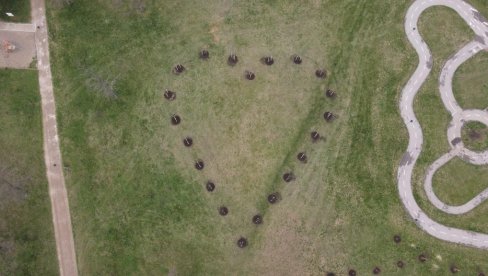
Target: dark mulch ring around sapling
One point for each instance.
(204, 54)
(376, 270)
(315, 136)
(257, 219)
(175, 119)
(242, 242)
(274, 197)
(188, 141)
(352, 272)
(296, 59)
(422, 258)
(210, 186)
(169, 95)
(289, 176)
(400, 264)
(223, 211)
(397, 239)
(302, 157)
(249, 75)
(178, 69)
(329, 116)
(199, 165)
(330, 93)
(232, 59)
(321, 73)
(268, 60)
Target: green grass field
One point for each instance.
(20, 9)
(26, 233)
(138, 205)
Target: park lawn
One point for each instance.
(20, 9)
(470, 85)
(27, 245)
(139, 206)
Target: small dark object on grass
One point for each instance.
(422, 258)
(169, 95)
(175, 119)
(188, 141)
(329, 116)
(210, 186)
(257, 219)
(400, 264)
(352, 272)
(204, 54)
(376, 270)
(268, 60)
(232, 60)
(321, 73)
(249, 75)
(242, 242)
(289, 176)
(302, 157)
(454, 269)
(178, 69)
(273, 198)
(223, 211)
(315, 136)
(199, 165)
(397, 239)
(296, 59)
(330, 274)
(330, 93)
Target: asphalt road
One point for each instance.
(54, 166)
(480, 26)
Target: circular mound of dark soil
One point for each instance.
(296, 59)
(330, 93)
(210, 186)
(175, 119)
(204, 54)
(268, 60)
(188, 141)
(169, 95)
(199, 165)
(454, 269)
(242, 242)
(178, 69)
(329, 116)
(273, 198)
(249, 75)
(422, 258)
(302, 157)
(223, 211)
(330, 274)
(257, 219)
(376, 270)
(400, 264)
(315, 136)
(232, 60)
(481, 274)
(352, 272)
(397, 239)
(289, 176)
(321, 73)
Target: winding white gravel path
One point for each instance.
(480, 26)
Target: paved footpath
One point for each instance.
(52, 154)
(480, 27)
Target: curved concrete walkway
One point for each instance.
(480, 26)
